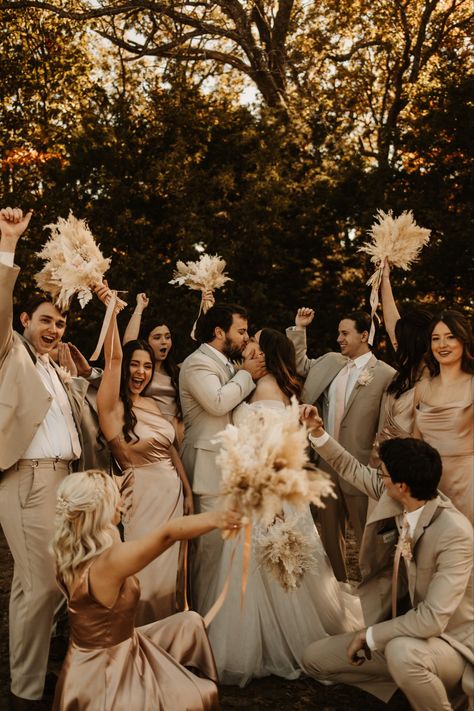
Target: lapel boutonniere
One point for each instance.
(64, 374)
(405, 542)
(365, 378)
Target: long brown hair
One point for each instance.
(280, 360)
(460, 327)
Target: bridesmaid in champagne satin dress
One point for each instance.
(444, 410)
(163, 387)
(153, 494)
(141, 440)
(408, 333)
(110, 665)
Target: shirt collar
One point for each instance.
(220, 355)
(413, 517)
(362, 360)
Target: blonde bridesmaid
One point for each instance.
(109, 663)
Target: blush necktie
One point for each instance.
(403, 541)
(341, 389)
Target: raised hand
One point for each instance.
(304, 317)
(65, 359)
(12, 225)
(80, 361)
(142, 302)
(207, 300)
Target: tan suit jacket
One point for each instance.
(439, 575)
(24, 401)
(208, 396)
(361, 415)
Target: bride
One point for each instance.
(273, 628)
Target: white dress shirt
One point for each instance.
(52, 438)
(224, 359)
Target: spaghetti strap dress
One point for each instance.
(111, 666)
(153, 494)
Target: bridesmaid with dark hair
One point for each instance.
(444, 409)
(163, 387)
(409, 337)
(154, 484)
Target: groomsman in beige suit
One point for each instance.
(210, 388)
(39, 441)
(347, 388)
(425, 646)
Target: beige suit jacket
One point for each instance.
(361, 415)
(208, 396)
(24, 401)
(439, 575)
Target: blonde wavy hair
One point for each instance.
(85, 507)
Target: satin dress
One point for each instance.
(153, 494)
(449, 429)
(397, 420)
(111, 666)
(162, 390)
(269, 634)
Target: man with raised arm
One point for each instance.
(348, 388)
(39, 442)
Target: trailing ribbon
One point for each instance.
(209, 617)
(203, 309)
(114, 303)
(374, 281)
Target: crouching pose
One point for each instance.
(426, 647)
(110, 664)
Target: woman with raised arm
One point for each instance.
(267, 635)
(164, 384)
(444, 412)
(154, 485)
(409, 337)
(110, 664)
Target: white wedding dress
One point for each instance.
(274, 627)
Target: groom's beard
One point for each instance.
(231, 350)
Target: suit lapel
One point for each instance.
(209, 352)
(357, 387)
(317, 381)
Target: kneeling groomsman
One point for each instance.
(416, 595)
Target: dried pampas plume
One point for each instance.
(74, 262)
(285, 553)
(205, 274)
(398, 239)
(264, 463)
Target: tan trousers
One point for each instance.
(425, 670)
(333, 521)
(206, 554)
(27, 511)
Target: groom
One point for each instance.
(425, 647)
(210, 388)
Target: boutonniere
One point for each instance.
(64, 374)
(365, 378)
(405, 542)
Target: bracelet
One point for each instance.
(137, 313)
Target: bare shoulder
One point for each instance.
(267, 389)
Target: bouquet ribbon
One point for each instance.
(203, 308)
(113, 303)
(211, 614)
(374, 281)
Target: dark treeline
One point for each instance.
(157, 165)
